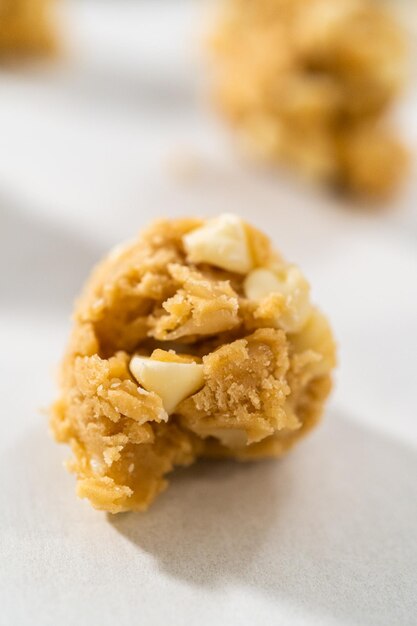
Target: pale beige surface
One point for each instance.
(308, 82)
(266, 362)
(325, 536)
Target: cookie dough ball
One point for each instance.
(296, 77)
(197, 339)
(370, 156)
(26, 27)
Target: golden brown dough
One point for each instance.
(307, 83)
(170, 360)
(26, 27)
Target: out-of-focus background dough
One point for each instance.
(92, 147)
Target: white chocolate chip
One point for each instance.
(221, 242)
(172, 381)
(230, 437)
(260, 283)
(290, 283)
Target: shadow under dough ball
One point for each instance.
(194, 340)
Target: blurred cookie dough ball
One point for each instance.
(298, 77)
(372, 158)
(196, 339)
(27, 27)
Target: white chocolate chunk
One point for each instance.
(231, 437)
(173, 382)
(221, 242)
(290, 283)
(260, 283)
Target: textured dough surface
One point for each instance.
(307, 83)
(26, 27)
(263, 387)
